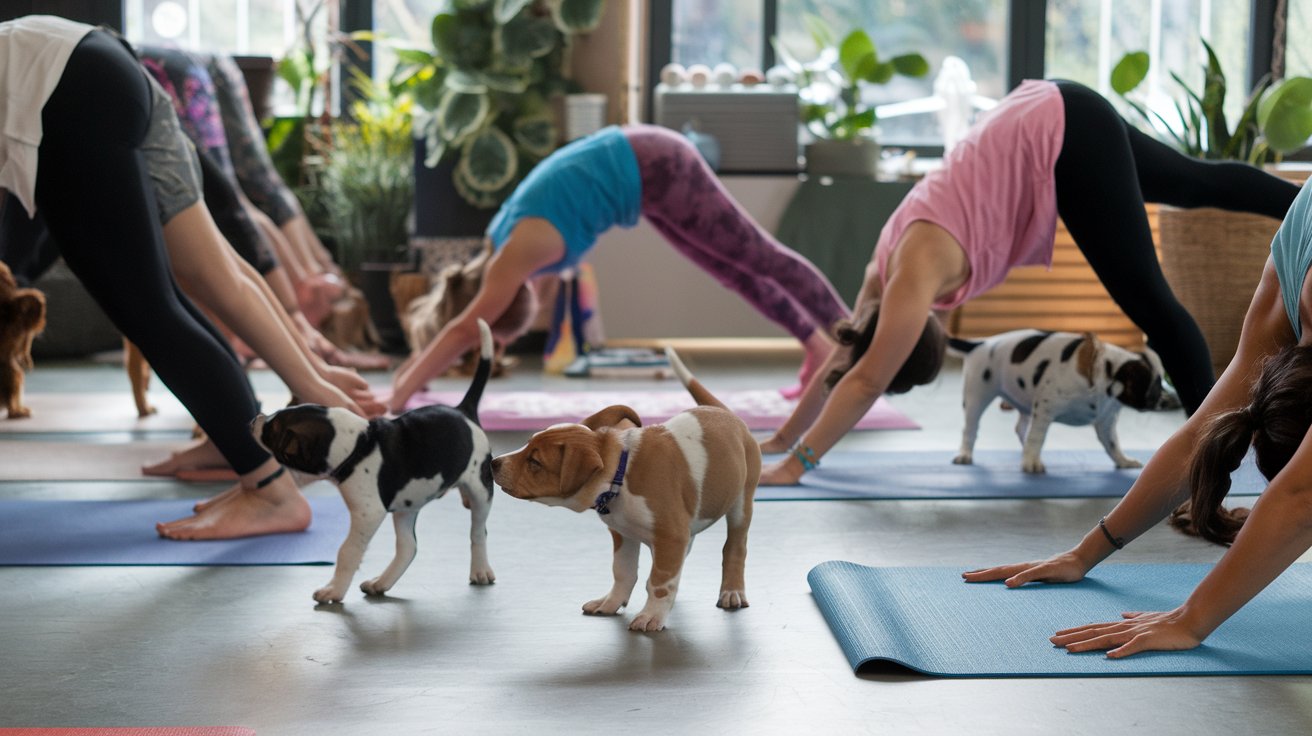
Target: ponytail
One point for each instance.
(1276, 420)
(1221, 449)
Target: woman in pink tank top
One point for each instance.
(1048, 149)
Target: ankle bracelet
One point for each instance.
(271, 477)
(806, 456)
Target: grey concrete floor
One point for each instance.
(136, 646)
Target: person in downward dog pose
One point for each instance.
(611, 178)
(1261, 402)
(1048, 149)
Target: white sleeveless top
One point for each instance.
(33, 53)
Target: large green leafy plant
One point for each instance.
(486, 85)
(1276, 118)
(831, 85)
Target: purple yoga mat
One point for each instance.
(530, 411)
(123, 533)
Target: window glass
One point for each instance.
(238, 27)
(1085, 39)
(406, 22)
(714, 31)
(1298, 53)
(973, 30)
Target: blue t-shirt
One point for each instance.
(583, 189)
(1291, 253)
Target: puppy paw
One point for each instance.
(20, 413)
(1033, 466)
(647, 622)
(604, 606)
(964, 459)
(374, 587)
(482, 576)
(1128, 462)
(731, 599)
(329, 594)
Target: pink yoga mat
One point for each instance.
(530, 411)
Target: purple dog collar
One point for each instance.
(602, 504)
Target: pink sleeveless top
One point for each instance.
(995, 193)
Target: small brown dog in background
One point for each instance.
(22, 318)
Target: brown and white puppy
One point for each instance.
(658, 485)
(22, 318)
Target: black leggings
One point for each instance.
(1106, 171)
(100, 207)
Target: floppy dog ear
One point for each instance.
(578, 464)
(25, 311)
(612, 416)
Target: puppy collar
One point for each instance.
(364, 445)
(602, 504)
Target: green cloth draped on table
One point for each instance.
(835, 223)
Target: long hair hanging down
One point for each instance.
(1274, 423)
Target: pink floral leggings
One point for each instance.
(685, 202)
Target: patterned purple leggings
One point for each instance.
(685, 202)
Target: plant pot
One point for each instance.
(1213, 260)
(375, 279)
(858, 157)
(258, 72)
(440, 211)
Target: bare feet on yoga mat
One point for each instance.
(199, 455)
(245, 511)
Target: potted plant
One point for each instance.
(831, 88)
(484, 93)
(365, 192)
(1213, 258)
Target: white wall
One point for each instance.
(648, 290)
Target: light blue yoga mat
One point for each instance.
(123, 533)
(928, 474)
(928, 619)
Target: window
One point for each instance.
(1085, 39)
(1298, 54)
(238, 27)
(711, 32)
(407, 22)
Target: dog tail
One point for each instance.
(695, 387)
(959, 347)
(469, 405)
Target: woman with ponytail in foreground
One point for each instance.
(1263, 400)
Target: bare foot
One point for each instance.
(196, 456)
(773, 445)
(277, 508)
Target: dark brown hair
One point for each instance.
(1274, 423)
(920, 367)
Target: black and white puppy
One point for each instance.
(395, 465)
(1056, 377)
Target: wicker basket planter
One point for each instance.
(1213, 260)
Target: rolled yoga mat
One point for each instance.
(930, 475)
(931, 621)
(530, 411)
(123, 533)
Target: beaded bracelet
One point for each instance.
(1117, 542)
(806, 456)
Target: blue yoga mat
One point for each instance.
(928, 474)
(928, 619)
(123, 533)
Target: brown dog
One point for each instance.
(658, 485)
(22, 318)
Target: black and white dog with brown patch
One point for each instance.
(1056, 377)
(395, 465)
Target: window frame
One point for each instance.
(1026, 41)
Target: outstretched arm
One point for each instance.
(1163, 484)
(917, 277)
(533, 245)
(207, 267)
